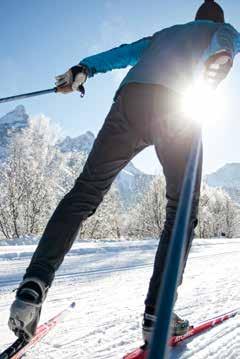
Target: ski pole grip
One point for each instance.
(80, 89)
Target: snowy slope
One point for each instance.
(109, 280)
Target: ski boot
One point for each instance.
(178, 326)
(26, 308)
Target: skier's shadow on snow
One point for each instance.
(176, 352)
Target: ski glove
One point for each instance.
(217, 67)
(26, 308)
(72, 80)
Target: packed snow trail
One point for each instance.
(109, 281)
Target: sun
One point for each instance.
(203, 104)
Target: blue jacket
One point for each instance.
(172, 57)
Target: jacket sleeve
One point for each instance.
(225, 38)
(116, 58)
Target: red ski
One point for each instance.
(142, 353)
(20, 347)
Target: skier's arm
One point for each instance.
(116, 58)
(226, 38)
(219, 56)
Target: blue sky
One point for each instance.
(41, 39)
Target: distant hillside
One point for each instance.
(228, 178)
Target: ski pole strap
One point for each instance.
(174, 260)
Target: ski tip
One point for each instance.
(137, 354)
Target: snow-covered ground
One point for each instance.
(109, 280)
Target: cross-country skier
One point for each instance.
(146, 111)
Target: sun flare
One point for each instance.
(203, 104)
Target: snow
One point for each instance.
(108, 280)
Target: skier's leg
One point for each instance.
(173, 150)
(173, 145)
(117, 142)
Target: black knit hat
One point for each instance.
(210, 11)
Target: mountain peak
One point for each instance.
(16, 117)
(20, 109)
(83, 142)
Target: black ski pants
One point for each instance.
(141, 115)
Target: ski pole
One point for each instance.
(37, 93)
(27, 95)
(159, 343)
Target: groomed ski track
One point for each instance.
(108, 281)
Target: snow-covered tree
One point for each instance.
(106, 222)
(231, 218)
(218, 214)
(205, 219)
(74, 162)
(29, 179)
(146, 219)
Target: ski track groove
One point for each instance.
(76, 275)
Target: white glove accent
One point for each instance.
(79, 80)
(64, 79)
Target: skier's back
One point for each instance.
(145, 112)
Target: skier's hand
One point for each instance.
(72, 80)
(217, 67)
(26, 308)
